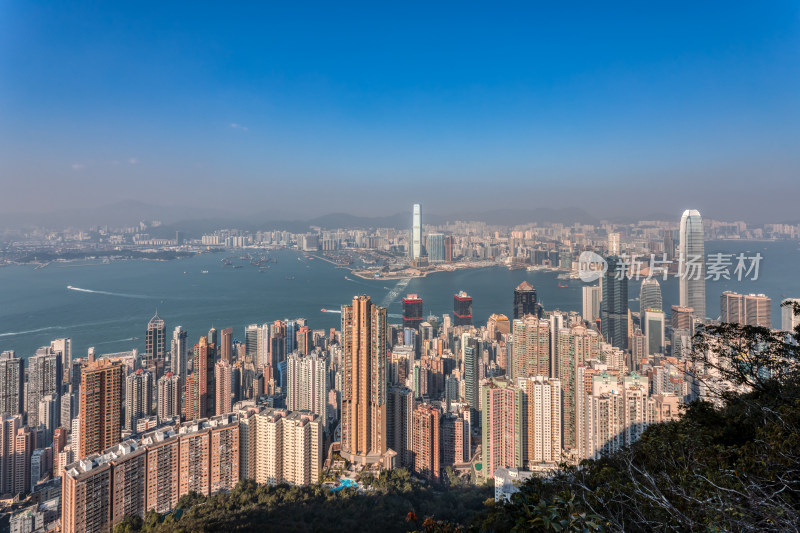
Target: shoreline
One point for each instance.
(370, 275)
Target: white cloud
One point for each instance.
(133, 161)
(78, 166)
(238, 127)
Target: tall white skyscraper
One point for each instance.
(692, 259)
(63, 347)
(180, 349)
(416, 232)
(591, 303)
(613, 243)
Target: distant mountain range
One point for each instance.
(193, 221)
(197, 221)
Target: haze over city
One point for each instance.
(296, 111)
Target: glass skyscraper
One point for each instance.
(436, 248)
(692, 260)
(649, 296)
(614, 306)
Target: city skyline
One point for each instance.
(273, 265)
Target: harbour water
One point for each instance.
(108, 305)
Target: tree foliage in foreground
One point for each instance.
(252, 507)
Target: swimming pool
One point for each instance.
(345, 482)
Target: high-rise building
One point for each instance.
(399, 410)
(169, 397)
(416, 232)
(746, 309)
(649, 296)
(448, 248)
(288, 447)
(12, 384)
(100, 406)
(209, 455)
(613, 244)
(758, 310)
(614, 306)
(49, 417)
(503, 419)
(412, 311)
(24, 444)
(307, 385)
(152, 473)
(576, 345)
(462, 309)
(223, 383)
(155, 346)
(692, 257)
(226, 345)
(364, 347)
(591, 303)
(44, 377)
(200, 385)
(456, 439)
(63, 348)
(180, 352)
(525, 300)
(615, 414)
(426, 434)
(682, 318)
(654, 331)
(8, 433)
(470, 355)
(305, 340)
(543, 426)
(731, 306)
(435, 246)
(789, 320)
(531, 349)
(138, 397)
(302, 448)
(669, 245)
(163, 473)
(251, 342)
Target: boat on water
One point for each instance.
(204, 271)
(562, 285)
(289, 278)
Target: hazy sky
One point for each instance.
(308, 108)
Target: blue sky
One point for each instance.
(628, 108)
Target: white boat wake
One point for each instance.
(107, 293)
(392, 295)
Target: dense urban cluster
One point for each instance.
(88, 442)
